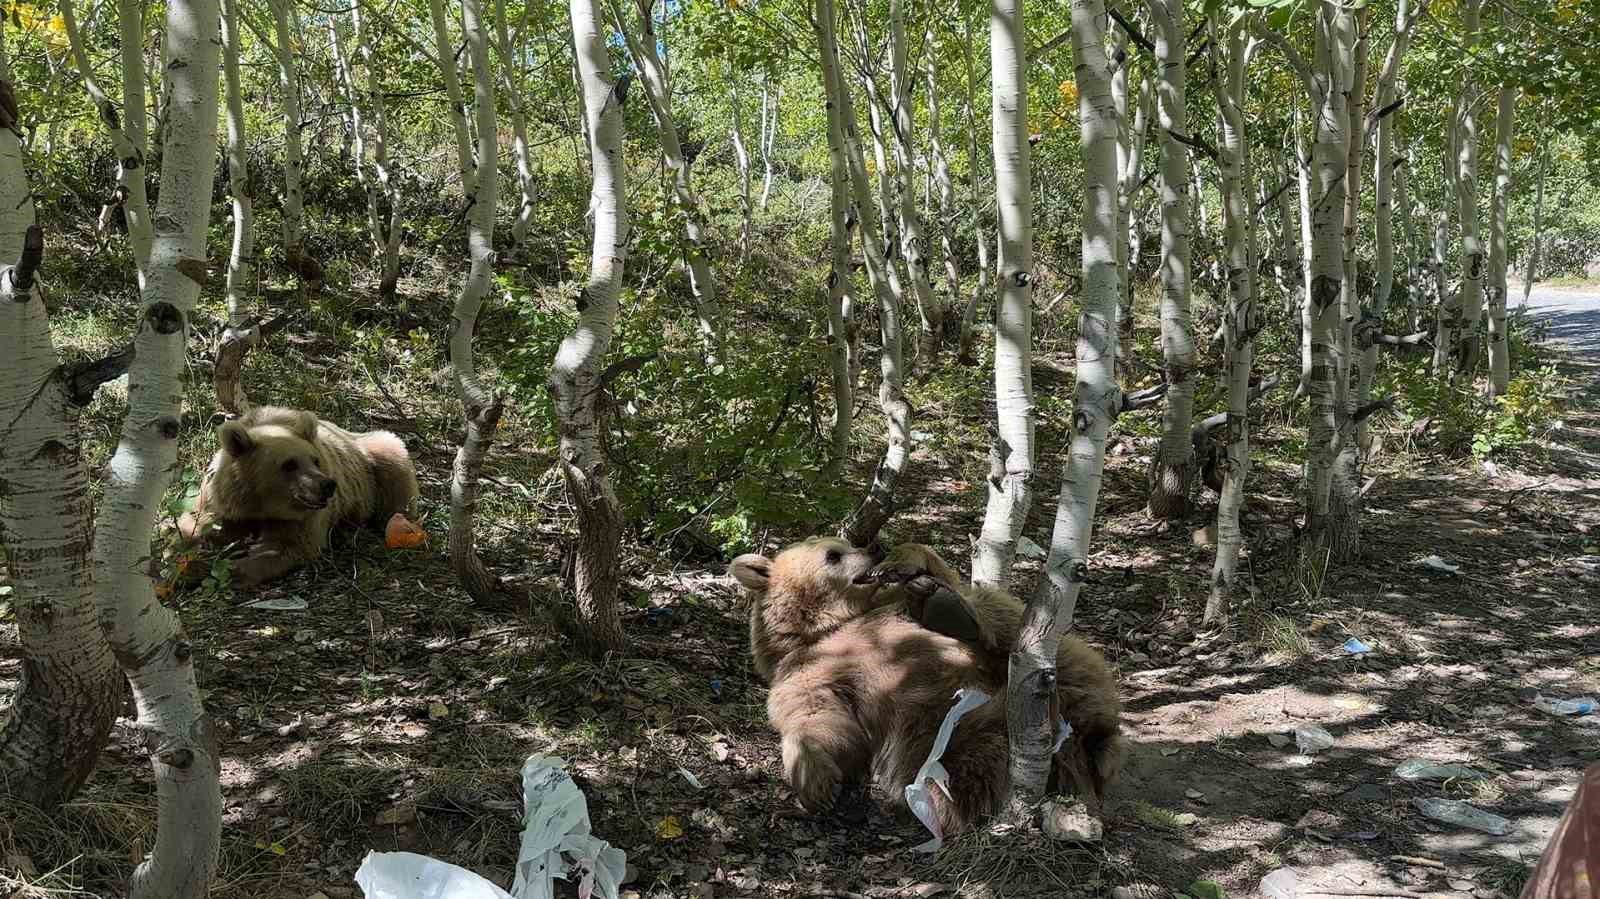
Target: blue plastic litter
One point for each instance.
(1354, 646)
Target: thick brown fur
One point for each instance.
(282, 480)
(860, 685)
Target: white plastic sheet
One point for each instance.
(919, 793)
(556, 842)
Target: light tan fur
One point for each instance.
(283, 479)
(860, 686)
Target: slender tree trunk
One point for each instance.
(1466, 184)
(1499, 345)
(969, 315)
(145, 635)
(870, 516)
(1345, 534)
(841, 287)
(658, 93)
(1239, 319)
(69, 691)
(129, 128)
(243, 331)
(345, 79)
(1532, 271)
(1010, 482)
(445, 49)
(1031, 681)
(939, 169)
(516, 102)
(481, 405)
(912, 245)
(1448, 302)
(1332, 78)
(303, 263)
(1408, 231)
(1130, 160)
(1173, 468)
(769, 136)
(388, 186)
(575, 376)
(1307, 312)
(1291, 268)
(741, 156)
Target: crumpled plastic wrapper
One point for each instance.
(919, 793)
(556, 842)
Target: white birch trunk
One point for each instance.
(869, 517)
(1466, 184)
(575, 376)
(1173, 470)
(1408, 231)
(969, 315)
(658, 93)
(1499, 344)
(1239, 318)
(243, 331)
(1130, 161)
(382, 170)
(129, 128)
(769, 137)
(1448, 302)
(146, 636)
(939, 168)
(445, 49)
(69, 691)
(1345, 533)
(1307, 313)
(299, 260)
(1291, 269)
(1532, 270)
(516, 102)
(840, 295)
(481, 405)
(913, 247)
(1010, 482)
(741, 158)
(1030, 685)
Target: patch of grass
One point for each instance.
(339, 793)
(1003, 861)
(1280, 634)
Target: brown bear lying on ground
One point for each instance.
(860, 683)
(282, 480)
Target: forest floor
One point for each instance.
(389, 713)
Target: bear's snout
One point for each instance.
(328, 487)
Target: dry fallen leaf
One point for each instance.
(669, 828)
(402, 534)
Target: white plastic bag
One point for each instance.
(919, 793)
(406, 875)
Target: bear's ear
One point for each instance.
(236, 439)
(305, 424)
(753, 570)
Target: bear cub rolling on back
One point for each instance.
(282, 480)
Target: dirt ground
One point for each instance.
(391, 714)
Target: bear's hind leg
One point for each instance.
(823, 745)
(392, 473)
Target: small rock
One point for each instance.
(1194, 794)
(1170, 750)
(1279, 740)
(1465, 886)
(630, 873)
(1185, 819)
(803, 851)
(403, 812)
(1070, 822)
(304, 635)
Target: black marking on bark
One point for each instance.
(164, 317)
(28, 263)
(168, 427)
(182, 650)
(177, 758)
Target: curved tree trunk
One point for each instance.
(1499, 345)
(741, 159)
(969, 315)
(1239, 319)
(481, 405)
(658, 93)
(516, 102)
(69, 692)
(870, 516)
(771, 102)
(575, 376)
(1031, 681)
(147, 637)
(1010, 483)
(243, 331)
(913, 247)
(1173, 470)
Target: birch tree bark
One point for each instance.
(939, 167)
(1239, 320)
(1408, 230)
(1010, 482)
(445, 51)
(1130, 161)
(243, 332)
(769, 136)
(658, 93)
(128, 130)
(741, 158)
(1307, 313)
(575, 377)
(69, 690)
(969, 314)
(516, 102)
(302, 263)
(383, 171)
(1447, 310)
(1345, 501)
(481, 405)
(147, 637)
(1466, 185)
(1173, 470)
(840, 295)
(1499, 345)
(1532, 270)
(1030, 686)
(870, 516)
(912, 245)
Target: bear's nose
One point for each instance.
(328, 488)
(876, 551)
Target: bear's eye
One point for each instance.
(291, 466)
(835, 557)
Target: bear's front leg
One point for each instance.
(279, 551)
(823, 745)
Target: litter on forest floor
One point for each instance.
(1422, 769)
(1462, 814)
(1438, 564)
(919, 793)
(1583, 705)
(282, 604)
(1309, 738)
(1355, 647)
(555, 843)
